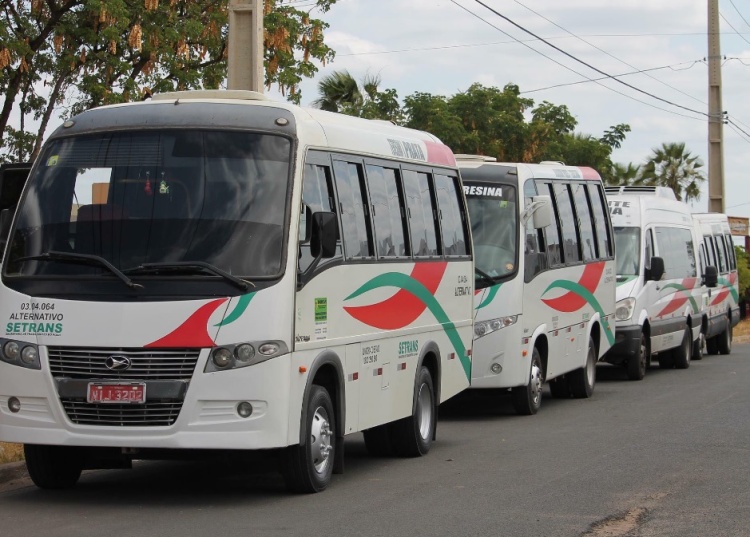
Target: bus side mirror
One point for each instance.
(541, 211)
(711, 276)
(323, 235)
(657, 269)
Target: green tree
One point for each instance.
(623, 174)
(673, 166)
(113, 51)
(340, 92)
(743, 270)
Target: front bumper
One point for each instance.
(627, 345)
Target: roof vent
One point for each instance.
(657, 191)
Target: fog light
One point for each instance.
(496, 368)
(29, 355)
(14, 405)
(244, 409)
(222, 357)
(12, 350)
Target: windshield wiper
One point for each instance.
(86, 259)
(189, 266)
(484, 276)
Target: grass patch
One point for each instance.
(10, 452)
(742, 329)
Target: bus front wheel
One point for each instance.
(308, 467)
(54, 467)
(412, 436)
(528, 399)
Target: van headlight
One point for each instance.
(624, 309)
(20, 353)
(226, 357)
(483, 328)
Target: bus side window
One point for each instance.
(354, 209)
(601, 222)
(535, 257)
(649, 249)
(452, 220)
(721, 250)
(388, 218)
(317, 195)
(422, 212)
(730, 252)
(585, 222)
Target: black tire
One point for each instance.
(637, 365)
(560, 388)
(378, 441)
(698, 345)
(528, 399)
(412, 436)
(583, 380)
(308, 467)
(681, 355)
(724, 340)
(712, 345)
(54, 467)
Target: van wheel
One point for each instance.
(527, 399)
(681, 354)
(308, 467)
(698, 345)
(637, 364)
(54, 467)
(582, 380)
(412, 436)
(725, 340)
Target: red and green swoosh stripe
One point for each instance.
(682, 296)
(416, 294)
(727, 288)
(490, 296)
(579, 294)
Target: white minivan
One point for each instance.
(659, 281)
(721, 305)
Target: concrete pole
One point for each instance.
(245, 53)
(715, 114)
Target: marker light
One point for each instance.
(483, 328)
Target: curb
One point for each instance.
(12, 471)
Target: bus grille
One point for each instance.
(146, 364)
(147, 415)
(86, 363)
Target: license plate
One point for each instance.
(128, 393)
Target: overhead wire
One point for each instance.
(733, 28)
(571, 56)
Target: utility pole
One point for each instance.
(715, 114)
(245, 52)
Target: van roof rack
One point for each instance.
(657, 191)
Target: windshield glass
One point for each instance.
(494, 228)
(627, 250)
(155, 197)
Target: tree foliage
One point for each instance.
(65, 56)
(743, 270)
(673, 166)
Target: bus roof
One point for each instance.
(542, 170)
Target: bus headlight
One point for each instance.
(483, 328)
(624, 309)
(244, 354)
(20, 353)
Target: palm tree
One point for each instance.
(671, 165)
(340, 92)
(624, 174)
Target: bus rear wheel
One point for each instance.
(308, 467)
(528, 399)
(412, 436)
(582, 380)
(54, 467)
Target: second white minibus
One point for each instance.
(545, 277)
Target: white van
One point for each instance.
(722, 311)
(659, 287)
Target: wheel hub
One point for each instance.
(321, 443)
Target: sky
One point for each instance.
(443, 46)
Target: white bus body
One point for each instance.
(659, 288)
(215, 270)
(722, 310)
(543, 313)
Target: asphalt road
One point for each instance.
(667, 456)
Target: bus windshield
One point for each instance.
(179, 199)
(627, 250)
(494, 227)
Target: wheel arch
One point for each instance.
(430, 357)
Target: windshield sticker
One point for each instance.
(52, 161)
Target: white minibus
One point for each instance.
(722, 310)
(659, 287)
(545, 277)
(214, 270)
